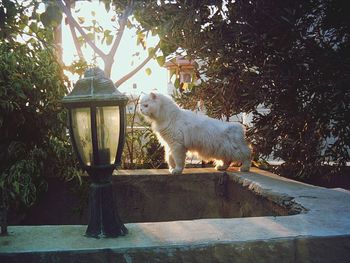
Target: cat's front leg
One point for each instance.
(171, 162)
(178, 152)
(169, 158)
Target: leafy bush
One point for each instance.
(32, 123)
(33, 143)
(292, 57)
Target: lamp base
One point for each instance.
(104, 220)
(3, 222)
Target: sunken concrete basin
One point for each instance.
(251, 217)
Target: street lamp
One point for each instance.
(96, 114)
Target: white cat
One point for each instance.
(181, 130)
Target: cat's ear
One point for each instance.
(153, 96)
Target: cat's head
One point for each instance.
(150, 104)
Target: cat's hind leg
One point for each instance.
(246, 159)
(245, 165)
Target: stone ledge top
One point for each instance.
(327, 214)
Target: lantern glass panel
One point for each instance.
(81, 125)
(108, 129)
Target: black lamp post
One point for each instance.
(97, 130)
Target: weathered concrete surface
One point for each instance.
(156, 198)
(320, 233)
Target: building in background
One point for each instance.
(183, 70)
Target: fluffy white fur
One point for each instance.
(182, 130)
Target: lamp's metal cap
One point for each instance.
(94, 87)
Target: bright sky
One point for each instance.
(124, 56)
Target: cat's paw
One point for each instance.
(245, 166)
(244, 169)
(221, 167)
(176, 171)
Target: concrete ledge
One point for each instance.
(319, 233)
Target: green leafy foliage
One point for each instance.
(34, 142)
(78, 67)
(161, 60)
(148, 71)
(292, 57)
(52, 16)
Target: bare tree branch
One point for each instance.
(76, 41)
(74, 23)
(134, 71)
(118, 37)
(122, 23)
(74, 36)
